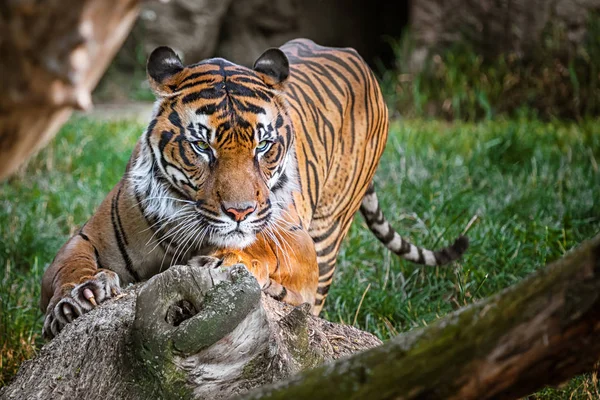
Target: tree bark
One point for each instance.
(53, 54)
(188, 332)
(539, 332)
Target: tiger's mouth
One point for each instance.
(236, 238)
(226, 233)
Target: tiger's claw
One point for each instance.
(67, 306)
(89, 295)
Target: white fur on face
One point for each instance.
(233, 240)
(158, 201)
(159, 204)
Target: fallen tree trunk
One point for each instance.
(53, 54)
(539, 332)
(188, 332)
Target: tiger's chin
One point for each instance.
(233, 240)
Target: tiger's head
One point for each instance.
(218, 156)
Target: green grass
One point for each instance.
(39, 209)
(533, 186)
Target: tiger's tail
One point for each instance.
(382, 229)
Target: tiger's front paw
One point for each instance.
(70, 304)
(228, 260)
(218, 270)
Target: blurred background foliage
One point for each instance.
(471, 69)
(555, 80)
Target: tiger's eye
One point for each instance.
(202, 145)
(263, 145)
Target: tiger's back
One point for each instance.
(341, 126)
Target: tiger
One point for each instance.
(263, 166)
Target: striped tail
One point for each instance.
(377, 223)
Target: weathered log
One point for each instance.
(53, 54)
(188, 332)
(539, 332)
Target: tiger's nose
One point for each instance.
(238, 211)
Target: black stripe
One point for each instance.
(327, 127)
(204, 94)
(313, 180)
(262, 219)
(268, 285)
(207, 109)
(323, 290)
(118, 215)
(195, 83)
(209, 218)
(305, 80)
(323, 279)
(96, 254)
(281, 295)
(318, 71)
(266, 209)
(334, 59)
(84, 236)
(404, 248)
(250, 80)
(278, 263)
(421, 256)
(327, 233)
(198, 75)
(119, 238)
(327, 250)
(388, 237)
(379, 218)
(98, 263)
(443, 256)
(325, 262)
(181, 143)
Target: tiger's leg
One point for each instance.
(74, 284)
(328, 236)
(284, 263)
(326, 268)
(298, 271)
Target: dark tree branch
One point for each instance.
(53, 53)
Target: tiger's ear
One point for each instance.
(273, 66)
(163, 67)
